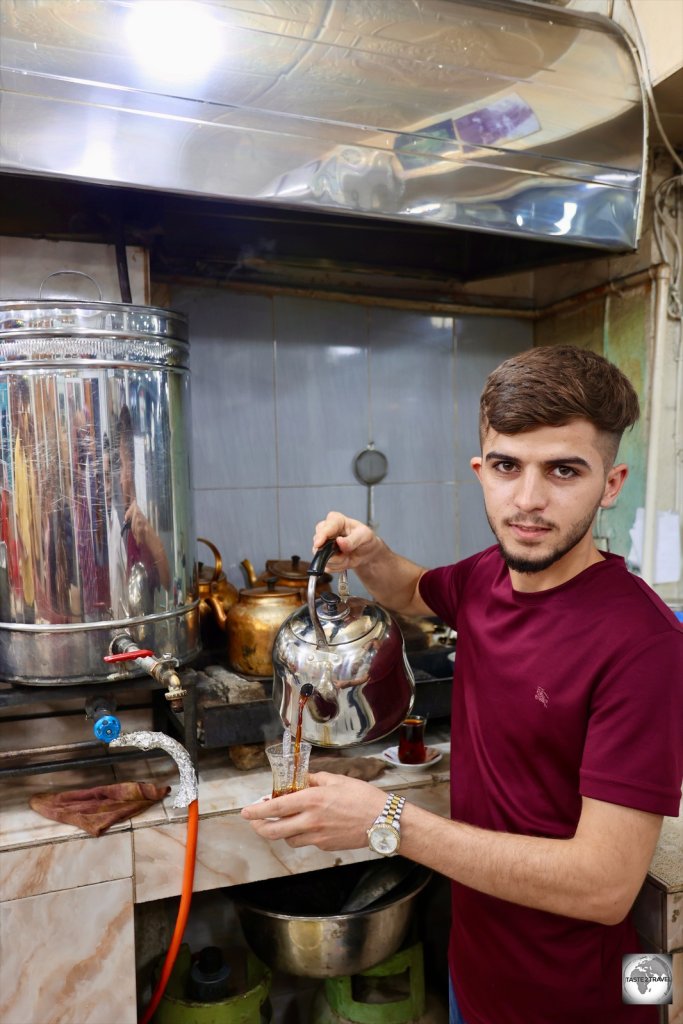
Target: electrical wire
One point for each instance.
(183, 911)
(678, 429)
(667, 204)
(641, 52)
(664, 198)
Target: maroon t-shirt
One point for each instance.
(564, 693)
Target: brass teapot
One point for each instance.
(291, 572)
(216, 597)
(252, 625)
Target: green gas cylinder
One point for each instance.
(246, 1003)
(392, 992)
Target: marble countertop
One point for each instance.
(224, 790)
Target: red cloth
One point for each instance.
(98, 808)
(559, 694)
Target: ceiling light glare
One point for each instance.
(173, 40)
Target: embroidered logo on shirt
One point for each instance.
(542, 696)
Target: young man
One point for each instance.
(566, 727)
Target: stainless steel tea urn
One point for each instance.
(96, 521)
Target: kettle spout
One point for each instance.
(249, 572)
(219, 610)
(322, 701)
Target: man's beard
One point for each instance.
(528, 564)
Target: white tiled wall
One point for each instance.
(286, 391)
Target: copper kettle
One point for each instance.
(292, 572)
(216, 596)
(253, 623)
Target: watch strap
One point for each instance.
(391, 812)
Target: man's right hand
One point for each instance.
(356, 542)
(391, 579)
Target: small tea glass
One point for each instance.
(289, 767)
(411, 740)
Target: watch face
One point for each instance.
(384, 839)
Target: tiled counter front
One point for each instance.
(67, 942)
(658, 910)
(67, 949)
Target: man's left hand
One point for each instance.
(333, 813)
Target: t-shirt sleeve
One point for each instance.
(442, 588)
(633, 754)
(438, 590)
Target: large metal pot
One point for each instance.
(96, 523)
(284, 923)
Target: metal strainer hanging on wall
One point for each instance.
(370, 467)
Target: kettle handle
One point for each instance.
(321, 558)
(217, 556)
(316, 569)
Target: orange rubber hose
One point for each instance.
(183, 911)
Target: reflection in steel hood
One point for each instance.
(499, 116)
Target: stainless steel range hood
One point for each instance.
(512, 118)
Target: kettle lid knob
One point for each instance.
(332, 606)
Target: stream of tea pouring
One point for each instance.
(306, 691)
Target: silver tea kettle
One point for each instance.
(351, 652)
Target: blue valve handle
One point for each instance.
(107, 728)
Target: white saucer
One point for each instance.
(390, 755)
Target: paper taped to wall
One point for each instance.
(667, 567)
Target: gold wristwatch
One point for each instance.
(384, 835)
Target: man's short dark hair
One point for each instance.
(553, 385)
